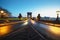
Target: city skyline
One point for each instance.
(43, 7)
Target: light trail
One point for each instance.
(51, 24)
(25, 22)
(5, 30)
(11, 23)
(54, 30)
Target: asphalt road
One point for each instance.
(28, 30)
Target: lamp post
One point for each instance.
(57, 19)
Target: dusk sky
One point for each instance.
(44, 7)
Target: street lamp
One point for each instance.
(2, 11)
(57, 19)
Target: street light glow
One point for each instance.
(57, 12)
(2, 11)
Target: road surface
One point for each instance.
(29, 30)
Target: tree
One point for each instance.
(4, 12)
(38, 17)
(20, 16)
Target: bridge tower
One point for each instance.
(29, 14)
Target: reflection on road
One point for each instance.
(25, 22)
(33, 22)
(54, 30)
(5, 30)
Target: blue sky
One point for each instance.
(44, 7)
